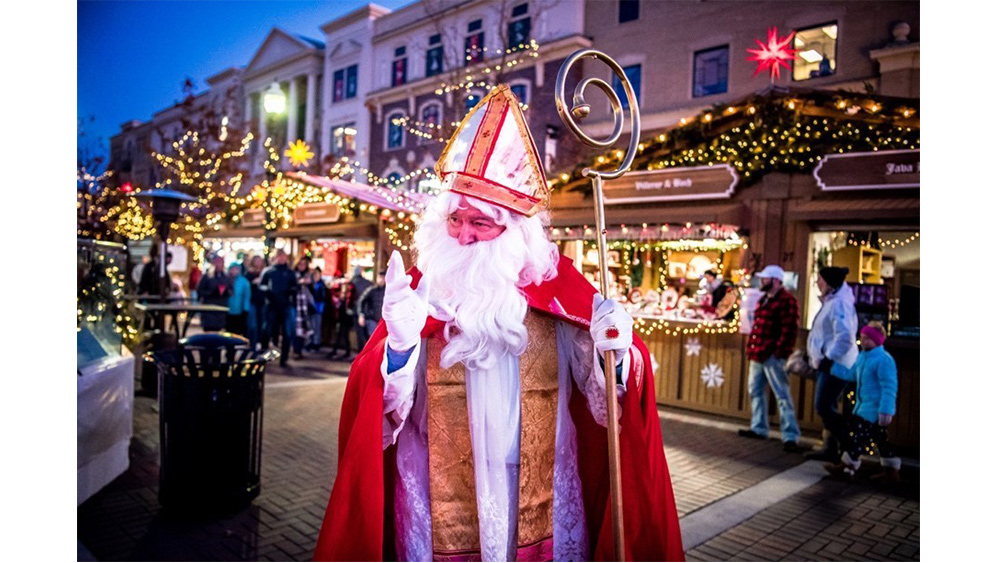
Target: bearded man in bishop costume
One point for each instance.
(474, 423)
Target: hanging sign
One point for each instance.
(869, 170)
(672, 184)
(252, 218)
(311, 213)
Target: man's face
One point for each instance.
(256, 263)
(281, 258)
(767, 284)
(218, 264)
(234, 271)
(470, 225)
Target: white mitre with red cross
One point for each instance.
(491, 156)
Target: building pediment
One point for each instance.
(279, 46)
(345, 48)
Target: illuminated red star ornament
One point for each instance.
(774, 55)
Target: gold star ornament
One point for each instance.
(298, 153)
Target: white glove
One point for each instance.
(403, 309)
(610, 327)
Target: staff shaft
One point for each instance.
(614, 451)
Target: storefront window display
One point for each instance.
(659, 273)
(884, 272)
(337, 258)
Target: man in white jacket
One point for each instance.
(833, 348)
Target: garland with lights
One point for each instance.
(779, 131)
(94, 197)
(484, 75)
(101, 294)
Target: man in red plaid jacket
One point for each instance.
(772, 340)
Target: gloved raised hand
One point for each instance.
(610, 327)
(404, 309)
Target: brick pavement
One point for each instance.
(828, 521)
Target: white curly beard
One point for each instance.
(479, 283)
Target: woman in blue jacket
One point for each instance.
(239, 300)
(877, 384)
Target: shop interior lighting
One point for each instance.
(811, 56)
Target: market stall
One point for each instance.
(796, 178)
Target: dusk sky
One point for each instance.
(133, 56)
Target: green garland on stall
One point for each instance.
(779, 131)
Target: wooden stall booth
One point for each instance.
(798, 178)
(666, 230)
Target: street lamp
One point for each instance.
(274, 99)
(166, 209)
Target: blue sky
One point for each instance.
(133, 56)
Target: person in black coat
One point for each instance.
(214, 289)
(279, 285)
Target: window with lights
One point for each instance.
(519, 28)
(815, 52)
(471, 99)
(399, 66)
(475, 50)
(435, 56)
(430, 118)
(394, 135)
(342, 140)
(345, 83)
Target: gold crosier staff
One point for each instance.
(580, 110)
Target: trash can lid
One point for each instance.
(215, 340)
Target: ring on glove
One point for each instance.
(611, 332)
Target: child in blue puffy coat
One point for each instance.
(875, 375)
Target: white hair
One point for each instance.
(479, 283)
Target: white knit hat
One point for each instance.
(772, 271)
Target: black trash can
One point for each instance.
(211, 395)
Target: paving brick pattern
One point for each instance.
(708, 464)
(829, 521)
(125, 521)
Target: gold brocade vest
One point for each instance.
(454, 514)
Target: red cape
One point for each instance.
(359, 522)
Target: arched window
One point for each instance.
(472, 98)
(395, 134)
(430, 120)
(522, 90)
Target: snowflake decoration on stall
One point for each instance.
(298, 153)
(692, 347)
(774, 55)
(712, 375)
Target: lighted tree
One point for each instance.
(208, 161)
(94, 191)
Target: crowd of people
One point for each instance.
(293, 309)
(855, 389)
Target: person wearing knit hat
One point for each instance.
(832, 351)
(239, 300)
(771, 342)
(833, 276)
(877, 384)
